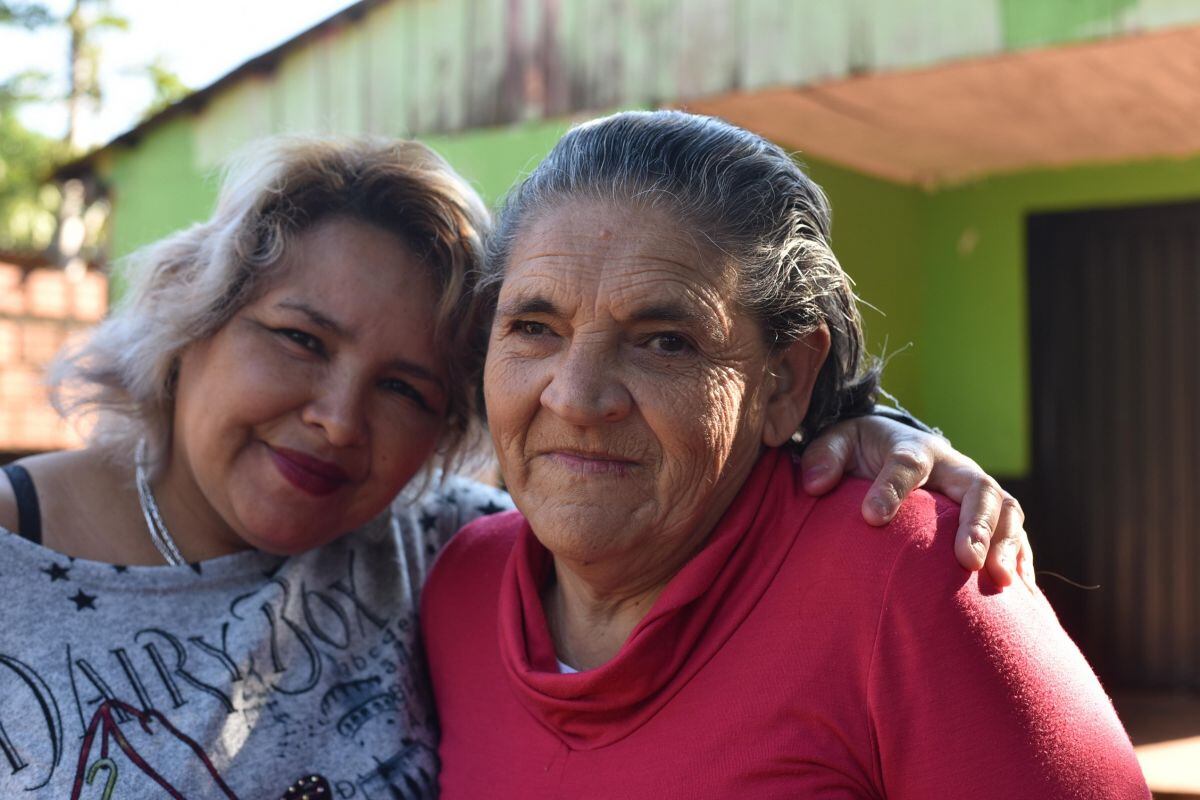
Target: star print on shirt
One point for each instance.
(83, 600)
(428, 521)
(56, 572)
(490, 508)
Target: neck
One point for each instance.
(589, 626)
(197, 528)
(592, 606)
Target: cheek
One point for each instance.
(226, 392)
(703, 413)
(511, 389)
(402, 441)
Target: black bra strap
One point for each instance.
(29, 513)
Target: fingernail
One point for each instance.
(882, 508)
(814, 473)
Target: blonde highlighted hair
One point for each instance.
(184, 288)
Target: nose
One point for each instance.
(337, 409)
(586, 386)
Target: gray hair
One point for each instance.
(748, 198)
(186, 287)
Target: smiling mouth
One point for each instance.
(308, 474)
(591, 463)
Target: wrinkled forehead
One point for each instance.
(589, 254)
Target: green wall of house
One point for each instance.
(973, 332)
(492, 160)
(156, 189)
(942, 274)
(876, 228)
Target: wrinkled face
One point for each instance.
(625, 391)
(312, 407)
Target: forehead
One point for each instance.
(361, 283)
(352, 259)
(604, 254)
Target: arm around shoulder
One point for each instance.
(979, 693)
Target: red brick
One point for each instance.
(43, 429)
(12, 293)
(21, 386)
(91, 297)
(10, 342)
(40, 341)
(47, 294)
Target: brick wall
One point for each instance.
(39, 310)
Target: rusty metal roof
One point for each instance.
(1123, 99)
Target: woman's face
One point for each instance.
(312, 407)
(626, 393)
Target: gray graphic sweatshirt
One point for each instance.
(230, 678)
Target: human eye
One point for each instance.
(402, 388)
(669, 343)
(530, 328)
(301, 339)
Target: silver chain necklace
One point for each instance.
(158, 529)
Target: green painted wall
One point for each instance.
(493, 159)
(156, 189)
(973, 335)
(1033, 23)
(876, 235)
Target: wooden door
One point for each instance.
(1114, 300)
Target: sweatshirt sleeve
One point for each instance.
(975, 692)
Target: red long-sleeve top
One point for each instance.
(801, 653)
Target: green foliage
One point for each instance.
(87, 20)
(27, 202)
(27, 15)
(168, 87)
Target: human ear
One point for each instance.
(794, 370)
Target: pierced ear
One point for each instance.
(795, 369)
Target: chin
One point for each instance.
(287, 538)
(582, 536)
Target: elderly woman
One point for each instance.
(669, 614)
(216, 597)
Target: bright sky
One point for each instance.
(200, 41)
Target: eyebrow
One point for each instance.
(326, 322)
(656, 312)
(527, 305)
(316, 317)
(669, 312)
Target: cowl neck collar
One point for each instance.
(695, 615)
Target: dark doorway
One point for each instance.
(1115, 368)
